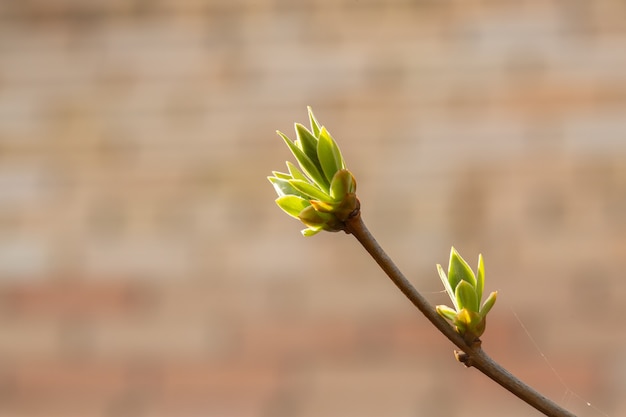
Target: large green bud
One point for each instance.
(321, 192)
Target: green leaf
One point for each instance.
(283, 187)
(295, 172)
(488, 304)
(310, 231)
(308, 143)
(459, 270)
(446, 312)
(342, 184)
(466, 296)
(281, 175)
(446, 285)
(292, 205)
(329, 154)
(309, 190)
(315, 126)
(306, 164)
(480, 280)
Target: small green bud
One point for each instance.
(465, 290)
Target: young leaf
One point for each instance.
(459, 270)
(306, 164)
(446, 312)
(295, 172)
(343, 183)
(309, 190)
(283, 187)
(489, 302)
(446, 285)
(466, 296)
(310, 231)
(480, 279)
(308, 143)
(292, 205)
(315, 126)
(329, 155)
(281, 175)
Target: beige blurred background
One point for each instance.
(145, 270)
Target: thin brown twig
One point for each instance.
(473, 355)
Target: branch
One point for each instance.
(472, 354)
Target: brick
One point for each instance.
(66, 299)
(146, 271)
(66, 380)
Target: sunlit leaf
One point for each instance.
(488, 304)
(446, 312)
(281, 175)
(308, 166)
(329, 154)
(480, 279)
(343, 183)
(446, 285)
(296, 173)
(283, 187)
(466, 296)
(310, 231)
(309, 190)
(308, 143)
(459, 270)
(292, 205)
(315, 126)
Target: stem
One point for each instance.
(473, 354)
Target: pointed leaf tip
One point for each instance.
(310, 231)
(315, 126)
(488, 304)
(480, 278)
(459, 270)
(446, 312)
(309, 167)
(446, 285)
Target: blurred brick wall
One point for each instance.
(145, 271)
